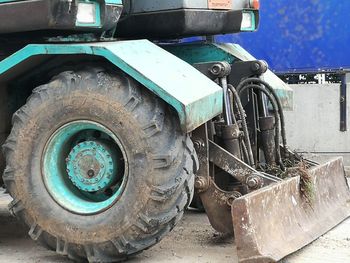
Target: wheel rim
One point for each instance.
(84, 167)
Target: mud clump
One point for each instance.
(307, 187)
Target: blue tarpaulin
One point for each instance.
(300, 35)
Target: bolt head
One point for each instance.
(253, 182)
(91, 173)
(201, 183)
(255, 66)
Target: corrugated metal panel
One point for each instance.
(302, 35)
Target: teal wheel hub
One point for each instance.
(84, 167)
(92, 166)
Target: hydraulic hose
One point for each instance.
(241, 113)
(280, 110)
(277, 117)
(245, 151)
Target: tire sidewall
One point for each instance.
(32, 140)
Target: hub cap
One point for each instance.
(92, 166)
(84, 167)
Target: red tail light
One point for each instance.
(255, 4)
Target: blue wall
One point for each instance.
(300, 35)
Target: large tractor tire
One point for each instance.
(97, 166)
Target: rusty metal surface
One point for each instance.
(216, 201)
(217, 204)
(235, 167)
(200, 142)
(277, 220)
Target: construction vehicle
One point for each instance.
(112, 134)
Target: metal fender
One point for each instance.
(199, 52)
(196, 98)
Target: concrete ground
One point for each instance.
(193, 240)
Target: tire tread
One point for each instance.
(174, 195)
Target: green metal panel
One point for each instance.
(7, 1)
(198, 52)
(196, 98)
(113, 2)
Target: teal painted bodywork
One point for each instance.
(194, 53)
(113, 2)
(8, 1)
(195, 98)
(210, 52)
(61, 187)
(108, 2)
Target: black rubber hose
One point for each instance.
(280, 109)
(241, 113)
(277, 117)
(245, 151)
(234, 120)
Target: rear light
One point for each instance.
(86, 13)
(248, 21)
(255, 4)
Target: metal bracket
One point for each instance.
(245, 69)
(200, 141)
(216, 202)
(214, 70)
(238, 169)
(345, 80)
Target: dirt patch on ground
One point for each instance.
(193, 240)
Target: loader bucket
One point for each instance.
(277, 220)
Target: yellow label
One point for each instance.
(220, 4)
